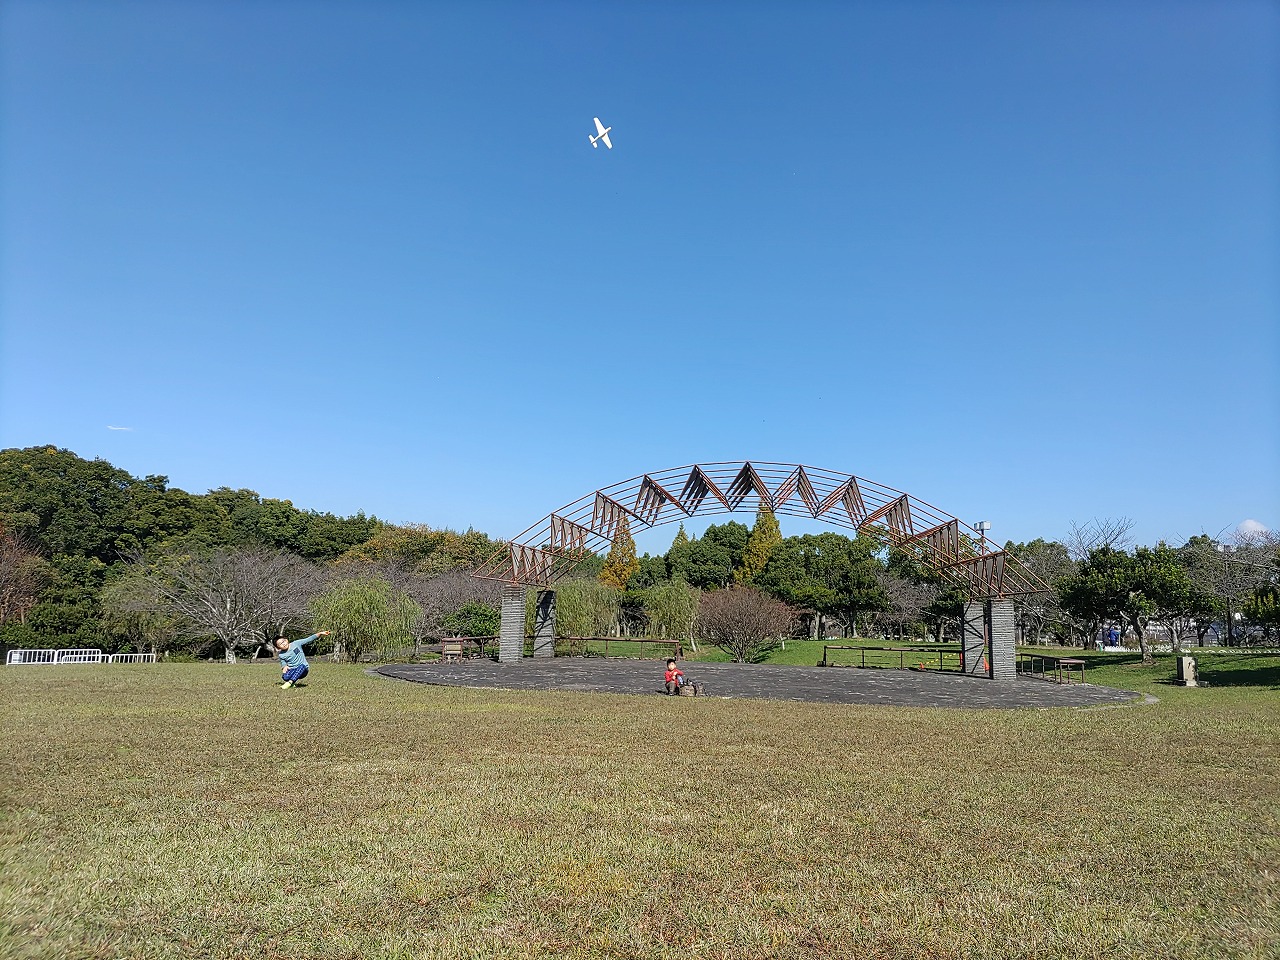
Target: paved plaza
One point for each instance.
(901, 688)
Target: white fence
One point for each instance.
(79, 655)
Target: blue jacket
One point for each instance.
(294, 657)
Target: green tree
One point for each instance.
(651, 570)
(764, 540)
(671, 607)
(620, 565)
(586, 607)
(1098, 591)
(66, 505)
(714, 556)
(828, 573)
(473, 619)
(67, 614)
(425, 550)
(677, 557)
(367, 614)
(1134, 588)
(1263, 608)
(1160, 589)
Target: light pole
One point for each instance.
(982, 526)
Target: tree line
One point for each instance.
(91, 556)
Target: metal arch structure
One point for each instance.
(551, 549)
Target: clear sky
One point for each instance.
(1020, 260)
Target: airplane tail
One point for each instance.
(593, 140)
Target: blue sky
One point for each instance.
(1021, 260)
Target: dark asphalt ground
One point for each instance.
(900, 688)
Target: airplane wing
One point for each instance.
(604, 138)
(599, 127)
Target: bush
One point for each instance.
(743, 622)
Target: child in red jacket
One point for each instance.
(673, 678)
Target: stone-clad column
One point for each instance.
(1000, 629)
(544, 625)
(973, 641)
(511, 633)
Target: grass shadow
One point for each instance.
(1239, 672)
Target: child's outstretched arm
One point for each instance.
(298, 643)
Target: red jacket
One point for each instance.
(671, 675)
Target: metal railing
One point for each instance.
(1054, 669)
(75, 655)
(52, 657)
(599, 646)
(922, 658)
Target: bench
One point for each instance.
(450, 651)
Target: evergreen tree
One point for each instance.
(712, 559)
(678, 556)
(765, 538)
(621, 563)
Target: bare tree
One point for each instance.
(743, 622)
(1081, 541)
(1037, 613)
(1113, 532)
(905, 601)
(1229, 573)
(131, 617)
(445, 594)
(245, 598)
(23, 574)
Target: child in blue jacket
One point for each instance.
(293, 662)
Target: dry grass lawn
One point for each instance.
(199, 811)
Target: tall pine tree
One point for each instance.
(765, 538)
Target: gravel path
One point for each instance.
(902, 688)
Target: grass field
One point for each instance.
(198, 810)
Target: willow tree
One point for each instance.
(585, 608)
(621, 563)
(671, 608)
(367, 613)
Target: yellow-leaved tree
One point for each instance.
(620, 565)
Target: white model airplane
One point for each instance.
(602, 133)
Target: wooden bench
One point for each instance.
(450, 651)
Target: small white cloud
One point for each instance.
(109, 427)
(1251, 528)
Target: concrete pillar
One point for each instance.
(973, 639)
(1002, 653)
(544, 624)
(511, 633)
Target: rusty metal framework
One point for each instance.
(549, 550)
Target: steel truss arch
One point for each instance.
(552, 548)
